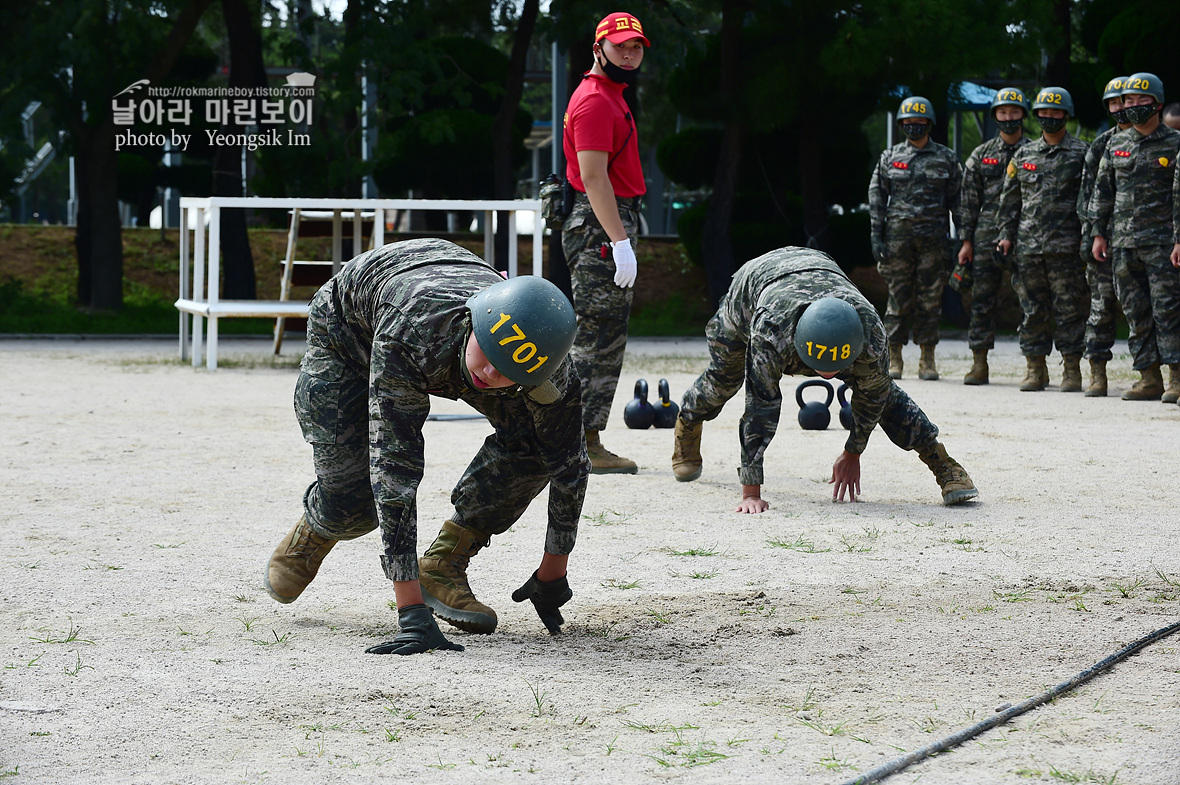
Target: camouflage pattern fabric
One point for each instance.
(912, 189)
(983, 181)
(1039, 205)
(915, 270)
(1133, 202)
(1051, 292)
(1148, 287)
(383, 335)
(603, 307)
(1094, 156)
(1104, 303)
(752, 342)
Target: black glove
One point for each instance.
(419, 632)
(878, 246)
(547, 598)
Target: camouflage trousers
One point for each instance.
(1148, 288)
(332, 407)
(987, 272)
(915, 269)
(1104, 309)
(1053, 301)
(603, 308)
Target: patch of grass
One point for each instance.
(1128, 590)
(71, 636)
(1088, 776)
(661, 617)
(709, 551)
(278, 639)
(608, 518)
(539, 695)
(612, 583)
(800, 543)
(1014, 596)
(78, 666)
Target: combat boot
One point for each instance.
(603, 461)
(1071, 377)
(1172, 394)
(895, 363)
(686, 454)
(978, 373)
(1037, 376)
(1150, 386)
(1097, 388)
(442, 571)
(295, 562)
(926, 369)
(952, 478)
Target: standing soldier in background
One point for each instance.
(1134, 224)
(1100, 326)
(1039, 214)
(982, 184)
(602, 166)
(914, 187)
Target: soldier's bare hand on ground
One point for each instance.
(1176, 255)
(846, 477)
(1004, 246)
(967, 252)
(1098, 250)
(752, 500)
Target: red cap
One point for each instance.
(620, 27)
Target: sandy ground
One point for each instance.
(142, 499)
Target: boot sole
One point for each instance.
(1095, 393)
(620, 470)
(273, 594)
(975, 382)
(928, 377)
(957, 497)
(468, 621)
(687, 477)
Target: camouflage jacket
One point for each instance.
(765, 300)
(983, 181)
(1039, 205)
(398, 315)
(1089, 175)
(912, 190)
(1133, 202)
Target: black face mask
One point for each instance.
(1138, 115)
(617, 74)
(1009, 126)
(1120, 117)
(914, 131)
(1051, 124)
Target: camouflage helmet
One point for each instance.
(915, 106)
(1113, 89)
(1054, 98)
(1008, 96)
(1144, 83)
(829, 335)
(525, 326)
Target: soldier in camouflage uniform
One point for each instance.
(914, 185)
(1133, 208)
(603, 168)
(395, 326)
(1100, 326)
(982, 183)
(794, 311)
(1039, 214)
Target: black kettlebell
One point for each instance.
(639, 414)
(813, 415)
(666, 411)
(845, 410)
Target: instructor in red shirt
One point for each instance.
(602, 154)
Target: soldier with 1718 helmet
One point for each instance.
(1100, 325)
(395, 326)
(914, 186)
(794, 311)
(982, 183)
(1039, 214)
(1133, 207)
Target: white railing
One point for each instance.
(200, 281)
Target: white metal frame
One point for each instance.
(200, 270)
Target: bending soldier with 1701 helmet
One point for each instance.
(1104, 303)
(395, 326)
(1038, 215)
(1135, 211)
(983, 182)
(914, 187)
(794, 311)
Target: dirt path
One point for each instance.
(806, 644)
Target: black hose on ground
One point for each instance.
(910, 758)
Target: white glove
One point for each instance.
(625, 265)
